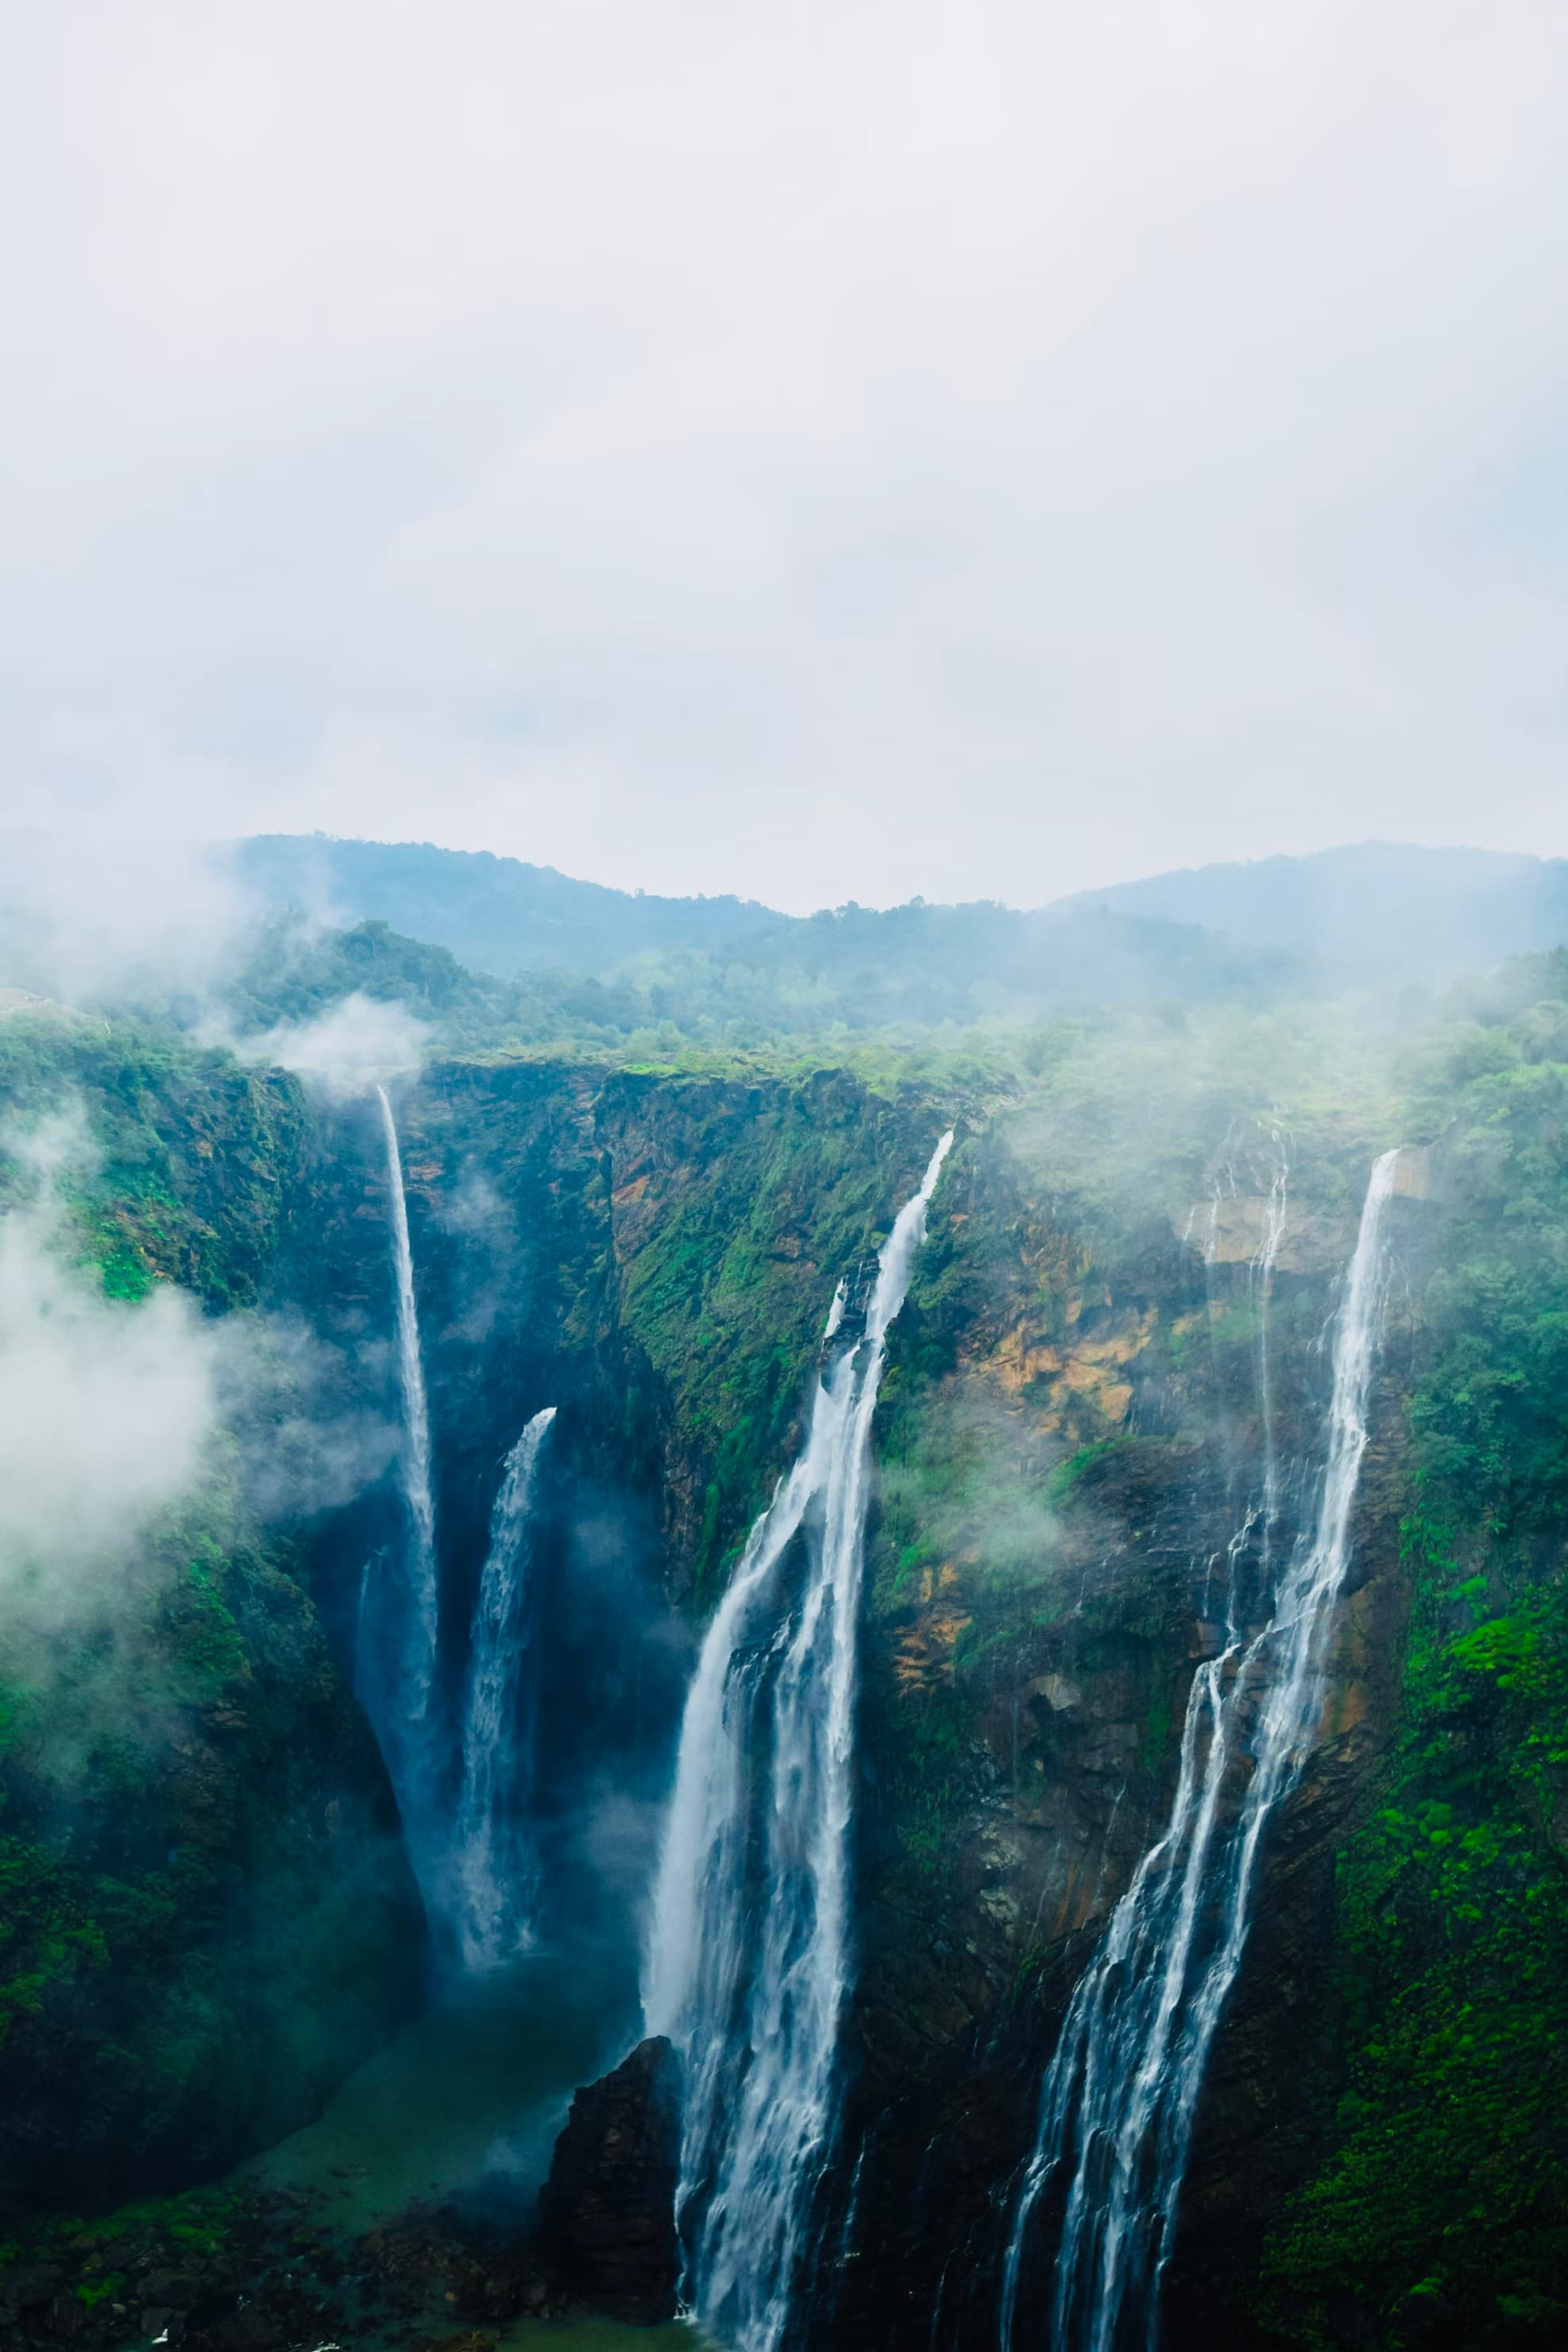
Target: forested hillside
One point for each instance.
(1338, 915)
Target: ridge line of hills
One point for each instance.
(490, 951)
(1365, 908)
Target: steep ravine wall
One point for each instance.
(207, 1918)
(1054, 1505)
(1070, 1430)
(1069, 1423)
(652, 1256)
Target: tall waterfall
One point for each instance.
(398, 1680)
(749, 1961)
(491, 1870)
(1120, 2093)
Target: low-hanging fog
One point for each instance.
(107, 1409)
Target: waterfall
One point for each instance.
(396, 1679)
(748, 1974)
(491, 1873)
(1120, 2093)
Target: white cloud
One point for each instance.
(111, 1411)
(90, 915)
(358, 1043)
(106, 1407)
(963, 446)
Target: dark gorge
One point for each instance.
(1095, 1454)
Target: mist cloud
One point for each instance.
(358, 1043)
(305, 1444)
(107, 1408)
(93, 916)
(112, 1412)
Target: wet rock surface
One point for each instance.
(272, 2272)
(258, 2269)
(607, 2213)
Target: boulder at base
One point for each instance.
(608, 2207)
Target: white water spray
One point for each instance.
(491, 1872)
(749, 1961)
(1120, 2093)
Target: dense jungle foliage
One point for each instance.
(1444, 2202)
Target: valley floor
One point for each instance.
(394, 2223)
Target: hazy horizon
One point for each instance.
(146, 853)
(978, 452)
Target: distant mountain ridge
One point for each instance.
(859, 966)
(496, 914)
(1364, 909)
(490, 950)
(1370, 906)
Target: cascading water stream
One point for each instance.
(491, 1871)
(748, 1978)
(1120, 2093)
(395, 1671)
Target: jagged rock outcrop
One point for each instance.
(607, 2212)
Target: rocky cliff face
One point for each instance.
(1070, 1432)
(1058, 1505)
(607, 2213)
(212, 1919)
(1070, 1426)
(207, 1918)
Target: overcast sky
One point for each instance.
(814, 450)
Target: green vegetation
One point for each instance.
(173, 1160)
(1441, 2210)
(193, 1941)
(499, 914)
(747, 1203)
(200, 2230)
(719, 962)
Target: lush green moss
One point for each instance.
(1450, 2175)
(1441, 2210)
(48, 1936)
(187, 1157)
(196, 2226)
(743, 1204)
